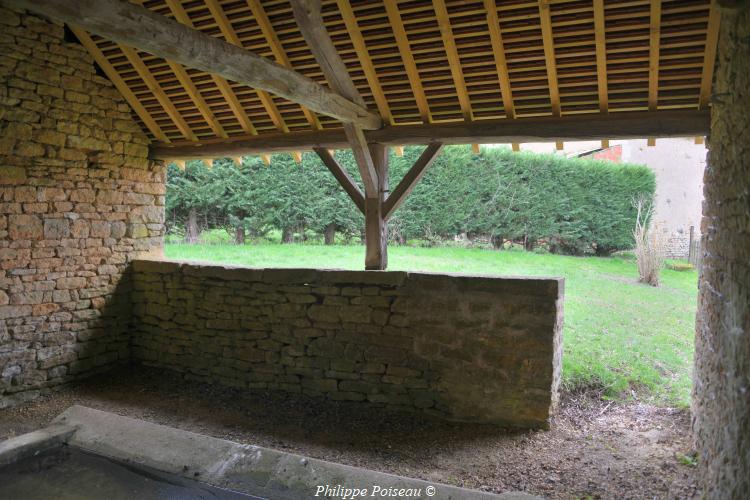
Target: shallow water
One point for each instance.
(70, 474)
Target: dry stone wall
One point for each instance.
(78, 200)
(457, 347)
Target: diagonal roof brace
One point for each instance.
(136, 26)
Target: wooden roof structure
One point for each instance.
(420, 63)
(224, 78)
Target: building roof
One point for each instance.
(428, 62)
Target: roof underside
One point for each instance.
(492, 60)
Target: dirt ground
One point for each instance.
(595, 449)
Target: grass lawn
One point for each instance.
(633, 340)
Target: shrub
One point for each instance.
(649, 244)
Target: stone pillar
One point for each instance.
(721, 394)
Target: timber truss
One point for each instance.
(437, 71)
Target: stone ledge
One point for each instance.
(248, 469)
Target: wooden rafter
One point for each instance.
(583, 127)
(178, 11)
(352, 27)
(135, 26)
(192, 91)
(454, 61)
(230, 36)
(653, 59)
(501, 62)
(145, 74)
(120, 85)
(265, 98)
(600, 38)
(278, 51)
(709, 57)
(402, 41)
(548, 40)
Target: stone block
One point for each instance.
(25, 227)
(10, 175)
(55, 229)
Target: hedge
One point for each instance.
(573, 206)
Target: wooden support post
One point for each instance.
(376, 229)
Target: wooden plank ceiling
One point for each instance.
(429, 61)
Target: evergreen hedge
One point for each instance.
(572, 206)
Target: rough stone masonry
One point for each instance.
(78, 200)
(459, 347)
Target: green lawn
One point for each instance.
(633, 340)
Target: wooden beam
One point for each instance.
(136, 26)
(454, 61)
(265, 98)
(583, 127)
(343, 177)
(357, 141)
(310, 21)
(653, 59)
(600, 39)
(376, 227)
(402, 41)
(360, 48)
(224, 87)
(145, 74)
(192, 91)
(120, 85)
(410, 180)
(601, 55)
(501, 63)
(549, 55)
(278, 51)
(709, 56)
(548, 40)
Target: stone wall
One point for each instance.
(464, 348)
(721, 391)
(78, 200)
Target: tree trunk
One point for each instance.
(330, 234)
(497, 241)
(528, 243)
(239, 234)
(287, 235)
(191, 227)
